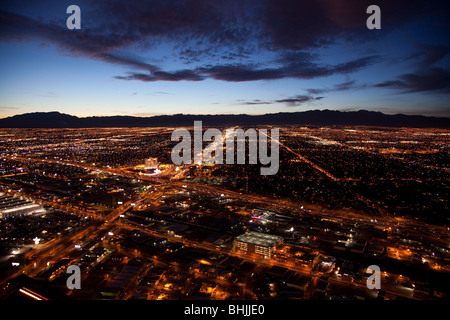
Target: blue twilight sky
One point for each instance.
(154, 57)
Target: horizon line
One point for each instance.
(229, 114)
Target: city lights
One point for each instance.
(263, 153)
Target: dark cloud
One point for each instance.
(167, 19)
(256, 102)
(428, 76)
(432, 54)
(287, 24)
(216, 22)
(290, 102)
(294, 24)
(250, 72)
(299, 100)
(344, 86)
(187, 75)
(239, 73)
(435, 79)
(341, 68)
(302, 70)
(124, 60)
(217, 30)
(83, 43)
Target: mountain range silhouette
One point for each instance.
(314, 118)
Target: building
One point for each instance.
(260, 244)
(151, 163)
(16, 206)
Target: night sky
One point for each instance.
(146, 58)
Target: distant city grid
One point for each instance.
(139, 227)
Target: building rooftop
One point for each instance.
(10, 202)
(260, 239)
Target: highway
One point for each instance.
(315, 166)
